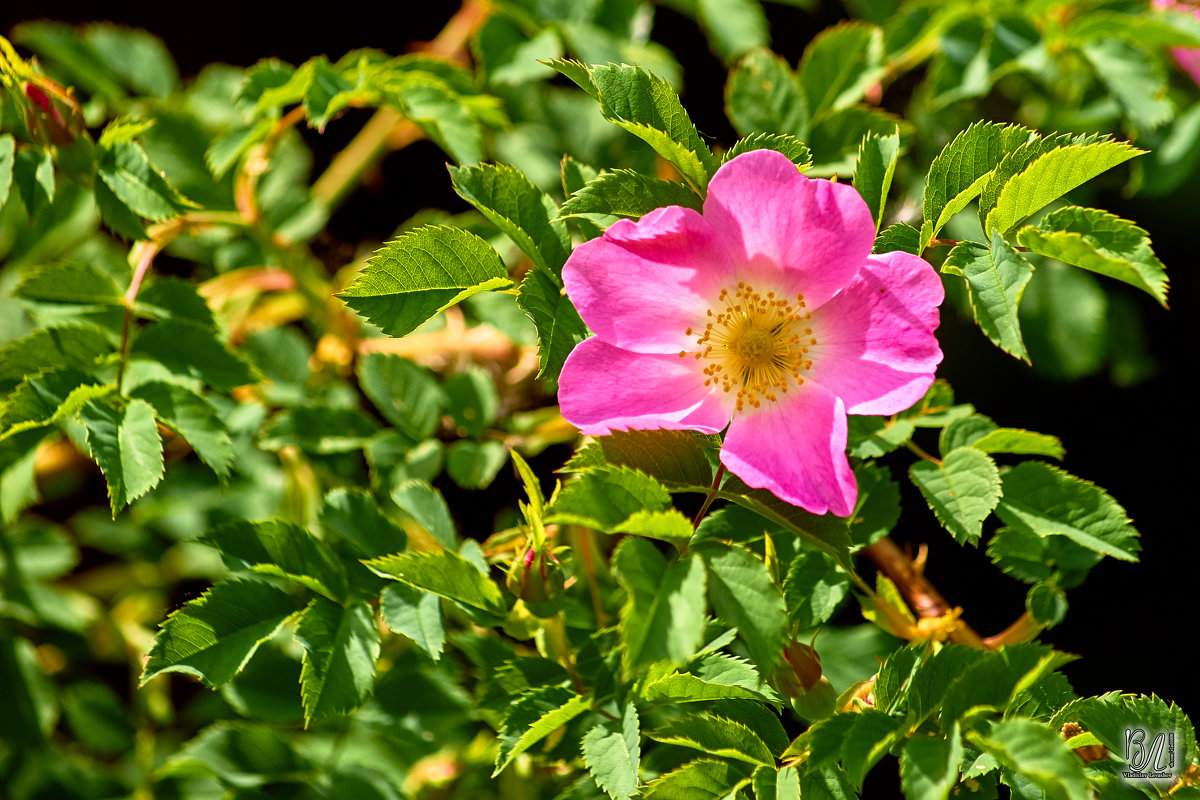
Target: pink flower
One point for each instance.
(1187, 58)
(768, 310)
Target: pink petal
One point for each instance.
(604, 389)
(644, 283)
(875, 344)
(796, 449)
(785, 231)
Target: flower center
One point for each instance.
(756, 344)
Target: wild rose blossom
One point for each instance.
(767, 314)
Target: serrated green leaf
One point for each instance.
(241, 753)
(612, 753)
(717, 676)
(1111, 715)
(126, 446)
(472, 400)
(996, 678)
(189, 349)
(226, 150)
(679, 459)
(1020, 442)
(415, 614)
(784, 143)
(194, 419)
(928, 685)
(929, 765)
(213, 636)
(839, 65)
(869, 738)
(443, 573)
(702, 779)
(996, 279)
(356, 517)
(1135, 76)
(835, 138)
(871, 437)
(772, 785)
(276, 547)
(407, 395)
(898, 236)
(69, 283)
(425, 504)
(73, 346)
(663, 615)
(444, 117)
(116, 215)
(625, 193)
(340, 649)
(1051, 175)
(474, 465)
(1038, 754)
(48, 398)
(173, 298)
(958, 174)
(532, 717)
(126, 170)
(137, 57)
(813, 588)
(8, 149)
(1047, 604)
(764, 96)
(962, 491)
(33, 174)
(318, 429)
(744, 595)
(717, 736)
(123, 129)
(605, 497)
(1044, 500)
(878, 508)
(1101, 242)
(874, 170)
(326, 93)
(559, 326)
(423, 272)
(518, 208)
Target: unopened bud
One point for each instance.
(536, 577)
(44, 118)
(798, 671)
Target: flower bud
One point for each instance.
(44, 116)
(798, 677)
(816, 703)
(537, 578)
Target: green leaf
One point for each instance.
(326, 93)
(994, 680)
(612, 752)
(173, 298)
(996, 279)
(474, 465)
(356, 517)
(663, 615)
(835, 138)
(415, 614)
(443, 573)
(126, 170)
(533, 716)
(605, 497)
(717, 736)
(73, 346)
(423, 272)
(47, 399)
(878, 507)
(116, 215)
(243, 754)
(33, 173)
(717, 676)
(472, 401)
(961, 491)
(1135, 76)
(1101, 242)
(194, 419)
(929, 684)
(962, 169)
(559, 326)
(186, 348)
(69, 283)
(646, 106)
(319, 429)
(518, 208)
(678, 459)
(123, 129)
(702, 779)
(1021, 442)
(744, 595)
(763, 95)
(97, 718)
(784, 143)
(1047, 604)
(213, 636)
(813, 588)
(1048, 177)
(126, 446)
(1111, 715)
(772, 785)
(874, 170)
(869, 738)
(733, 26)
(426, 505)
(1038, 754)
(444, 117)
(839, 65)
(898, 236)
(137, 57)
(8, 149)
(929, 765)
(340, 649)
(407, 395)
(275, 547)
(625, 193)
(1044, 500)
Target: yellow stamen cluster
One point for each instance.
(757, 344)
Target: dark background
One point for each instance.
(1133, 624)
